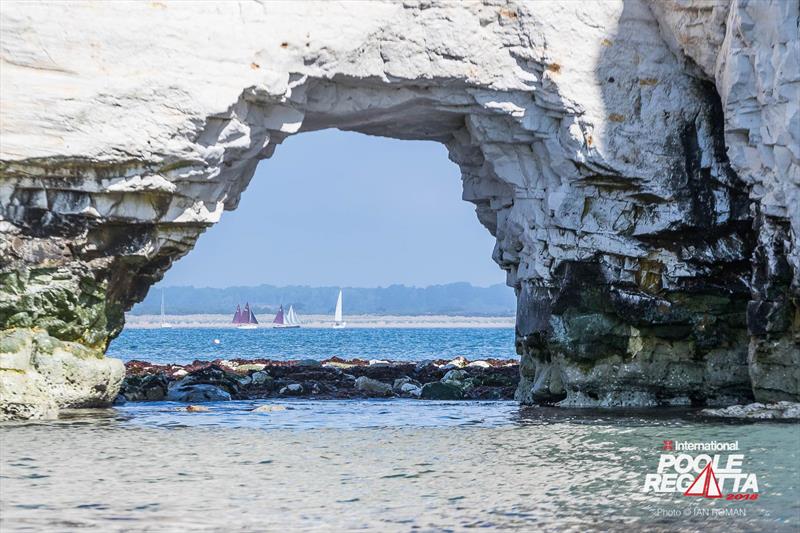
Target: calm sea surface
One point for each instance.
(393, 465)
(181, 345)
(378, 465)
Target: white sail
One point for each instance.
(337, 316)
(291, 318)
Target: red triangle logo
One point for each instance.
(705, 484)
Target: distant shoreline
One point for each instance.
(326, 321)
(458, 298)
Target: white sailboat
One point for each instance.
(287, 320)
(292, 320)
(338, 322)
(164, 323)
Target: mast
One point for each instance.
(337, 316)
(164, 323)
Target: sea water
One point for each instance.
(184, 345)
(379, 465)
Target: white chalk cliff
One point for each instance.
(639, 164)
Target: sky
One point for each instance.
(334, 208)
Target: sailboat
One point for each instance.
(164, 323)
(338, 323)
(245, 318)
(289, 320)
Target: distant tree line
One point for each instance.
(449, 299)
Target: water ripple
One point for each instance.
(388, 465)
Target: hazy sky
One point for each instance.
(339, 208)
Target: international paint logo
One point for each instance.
(706, 475)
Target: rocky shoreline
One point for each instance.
(334, 378)
(758, 411)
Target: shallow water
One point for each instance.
(184, 345)
(393, 465)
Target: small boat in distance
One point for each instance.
(289, 320)
(164, 323)
(338, 323)
(244, 318)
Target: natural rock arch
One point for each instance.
(593, 148)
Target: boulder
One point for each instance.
(458, 362)
(455, 375)
(373, 386)
(181, 391)
(215, 376)
(40, 374)
(441, 391)
(293, 389)
(422, 365)
(145, 387)
(411, 389)
(260, 378)
(399, 382)
(460, 379)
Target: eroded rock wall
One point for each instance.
(629, 210)
(750, 50)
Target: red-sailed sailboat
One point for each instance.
(245, 318)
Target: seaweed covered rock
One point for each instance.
(221, 380)
(373, 386)
(441, 391)
(183, 391)
(144, 387)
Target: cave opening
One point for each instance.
(383, 218)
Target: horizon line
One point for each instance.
(333, 286)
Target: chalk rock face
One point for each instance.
(638, 168)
